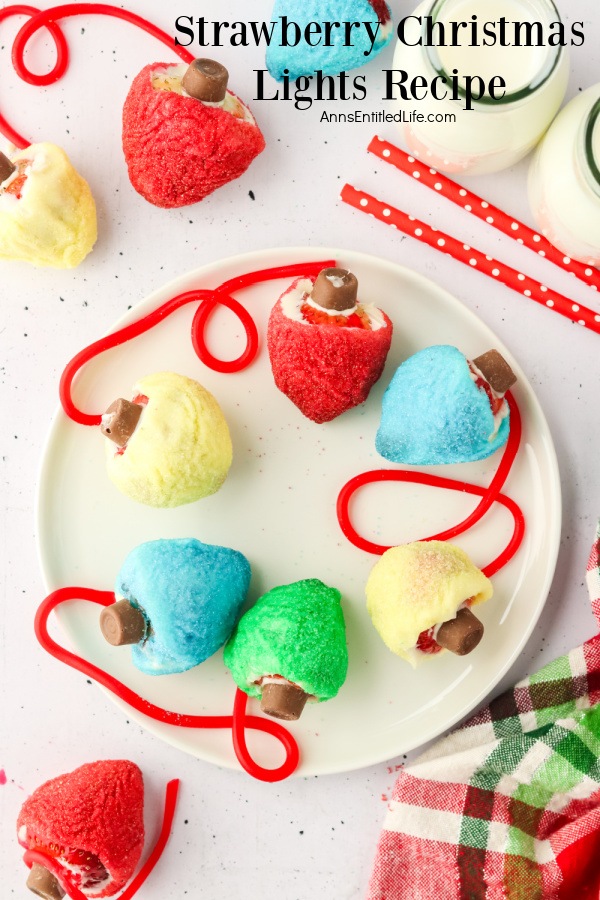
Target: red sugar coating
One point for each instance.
(98, 808)
(325, 370)
(177, 149)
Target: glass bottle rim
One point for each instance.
(592, 164)
(540, 78)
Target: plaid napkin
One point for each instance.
(508, 806)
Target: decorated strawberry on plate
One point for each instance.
(326, 348)
(185, 134)
(177, 602)
(47, 212)
(442, 408)
(91, 824)
(337, 54)
(290, 647)
(170, 444)
(420, 598)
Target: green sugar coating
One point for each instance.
(296, 631)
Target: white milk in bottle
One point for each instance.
(564, 180)
(495, 133)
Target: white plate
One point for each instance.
(278, 507)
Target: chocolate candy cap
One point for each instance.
(6, 168)
(206, 80)
(122, 624)
(120, 421)
(461, 634)
(496, 371)
(335, 289)
(283, 701)
(44, 884)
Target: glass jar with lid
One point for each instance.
(497, 132)
(564, 179)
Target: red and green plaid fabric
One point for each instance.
(508, 806)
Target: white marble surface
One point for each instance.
(234, 836)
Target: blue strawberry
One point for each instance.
(305, 60)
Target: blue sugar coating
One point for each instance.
(191, 594)
(304, 59)
(433, 413)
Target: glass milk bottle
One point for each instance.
(564, 180)
(495, 133)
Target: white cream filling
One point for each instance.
(170, 79)
(79, 870)
(273, 679)
(384, 31)
(375, 315)
(294, 299)
(498, 419)
(503, 411)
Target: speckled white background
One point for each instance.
(232, 836)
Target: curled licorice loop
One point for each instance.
(209, 301)
(237, 722)
(48, 19)
(489, 496)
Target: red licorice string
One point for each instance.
(123, 335)
(293, 270)
(161, 843)
(47, 19)
(209, 300)
(237, 284)
(36, 856)
(488, 496)
(237, 722)
(292, 752)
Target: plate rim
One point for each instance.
(280, 255)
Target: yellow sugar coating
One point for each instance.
(54, 221)
(181, 449)
(417, 586)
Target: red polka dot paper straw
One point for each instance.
(483, 210)
(475, 259)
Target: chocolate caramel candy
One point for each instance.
(43, 883)
(496, 371)
(206, 80)
(120, 421)
(335, 289)
(6, 168)
(461, 634)
(121, 624)
(283, 700)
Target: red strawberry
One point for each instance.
(179, 149)
(91, 821)
(325, 370)
(495, 402)
(381, 9)
(426, 642)
(15, 187)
